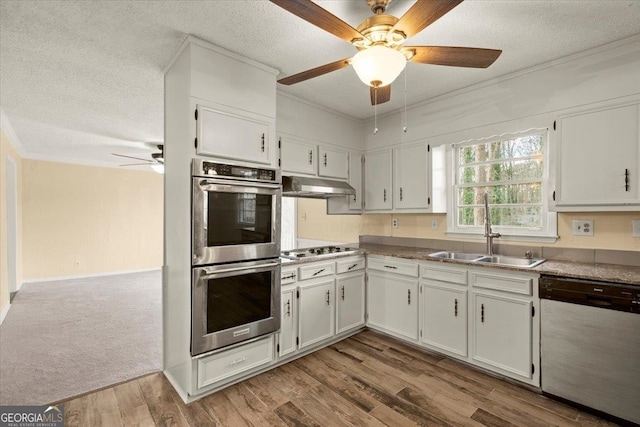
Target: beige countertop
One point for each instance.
(593, 271)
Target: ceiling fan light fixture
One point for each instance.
(378, 64)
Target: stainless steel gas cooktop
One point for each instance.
(317, 252)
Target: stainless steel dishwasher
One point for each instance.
(590, 344)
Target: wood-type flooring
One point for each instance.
(366, 380)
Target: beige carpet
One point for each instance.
(64, 338)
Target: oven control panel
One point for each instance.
(206, 168)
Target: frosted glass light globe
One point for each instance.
(379, 64)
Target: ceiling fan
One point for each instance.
(156, 162)
(380, 41)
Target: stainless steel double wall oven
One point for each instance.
(235, 254)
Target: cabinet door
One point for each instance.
(393, 304)
(502, 333)
(355, 180)
(444, 320)
(297, 157)
(233, 136)
(333, 163)
(286, 337)
(600, 151)
(377, 180)
(411, 173)
(350, 301)
(316, 317)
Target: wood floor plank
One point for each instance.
(294, 416)
(250, 407)
(162, 407)
(385, 357)
(133, 408)
(489, 420)
(337, 404)
(390, 417)
(435, 408)
(221, 408)
(396, 345)
(549, 417)
(262, 387)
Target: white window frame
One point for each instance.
(547, 233)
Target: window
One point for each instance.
(246, 209)
(512, 170)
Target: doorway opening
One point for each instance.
(12, 227)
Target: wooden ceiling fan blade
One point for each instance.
(321, 18)
(454, 56)
(314, 72)
(422, 14)
(383, 94)
(132, 157)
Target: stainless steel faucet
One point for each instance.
(488, 233)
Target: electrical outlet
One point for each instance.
(582, 227)
(394, 223)
(636, 227)
(434, 224)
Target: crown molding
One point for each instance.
(10, 133)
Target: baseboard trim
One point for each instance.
(84, 276)
(4, 312)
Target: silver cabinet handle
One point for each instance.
(325, 160)
(235, 362)
(482, 313)
(354, 197)
(343, 293)
(384, 195)
(263, 142)
(409, 296)
(393, 267)
(319, 271)
(328, 297)
(290, 276)
(310, 157)
(455, 307)
(400, 193)
(352, 267)
(288, 313)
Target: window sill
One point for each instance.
(504, 237)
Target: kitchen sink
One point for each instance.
(462, 256)
(489, 259)
(510, 260)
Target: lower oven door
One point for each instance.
(232, 303)
(234, 221)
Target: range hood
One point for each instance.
(315, 188)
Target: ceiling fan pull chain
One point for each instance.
(375, 111)
(404, 128)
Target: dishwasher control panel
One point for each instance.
(612, 296)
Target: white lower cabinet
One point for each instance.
(318, 301)
(502, 332)
(244, 358)
(316, 311)
(392, 299)
(350, 301)
(444, 319)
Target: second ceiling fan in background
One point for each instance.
(381, 38)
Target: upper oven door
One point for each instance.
(234, 221)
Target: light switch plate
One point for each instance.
(434, 224)
(582, 227)
(636, 227)
(394, 223)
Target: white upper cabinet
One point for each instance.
(333, 163)
(599, 159)
(233, 135)
(355, 180)
(377, 180)
(411, 177)
(297, 157)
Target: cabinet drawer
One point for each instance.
(220, 366)
(350, 265)
(444, 273)
(514, 284)
(288, 276)
(316, 270)
(393, 266)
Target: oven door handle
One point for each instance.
(205, 183)
(212, 274)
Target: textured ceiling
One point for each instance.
(82, 79)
